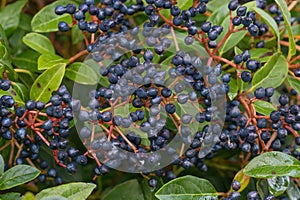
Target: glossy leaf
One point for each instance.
(262, 188)
(77, 35)
(71, 191)
(95, 66)
(213, 5)
(82, 73)
(46, 20)
(46, 61)
(28, 196)
(27, 60)
(21, 90)
(243, 179)
(271, 164)
(287, 20)
(39, 43)
(47, 82)
(5, 60)
(187, 187)
(10, 16)
(272, 74)
(293, 191)
(295, 83)
(18, 175)
(264, 107)
(233, 89)
(2, 165)
(124, 191)
(3, 38)
(10, 196)
(270, 22)
(278, 185)
(219, 15)
(54, 197)
(261, 54)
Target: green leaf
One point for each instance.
(234, 38)
(243, 179)
(54, 197)
(187, 188)
(96, 67)
(261, 54)
(71, 191)
(2, 165)
(27, 60)
(268, 19)
(5, 60)
(215, 4)
(238, 51)
(21, 90)
(3, 38)
(82, 73)
(77, 35)
(10, 16)
(296, 29)
(295, 83)
(39, 43)
(46, 20)
(262, 188)
(264, 107)
(271, 164)
(233, 89)
(293, 191)
(272, 74)
(287, 20)
(46, 61)
(10, 196)
(47, 82)
(219, 15)
(18, 175)
(125, 191)
(28, 196)
(278, 185)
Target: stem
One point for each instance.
(287, 44)
(126, 139)
(3, 3)
(174, 38)
(78, 55)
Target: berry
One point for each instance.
(233, 4)
(246, 76)
(152, 182)
(170, 108)
(236, 185)
(59, 10)
(63, 26)
(260, 93)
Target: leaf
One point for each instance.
(264, 107)
(262, 188)
(261, 54)
(238, 51)
(187, 187)
(18, 175)
(46, 61)
(278, 185)
(5, 60)
(27, 60)
(271, 164)
(267, 18)
(287, 20)
(10, 16)
(21, 90)
(243, 179)
(219, 15)
(95, 66)
(54, 197)
(296, 29)
(39, 43)
(233, 89)
(28, 196)
(183, 5)
(125, 191)
(46, 20)
(234, 38)
(272, 74)
(148, 191)
(295, 83)
(71, 191)
(77, 35)
(82, 73)
(2, 165)
(215, 4)
(47, 82)
(293, 191)
(10, 196)
(3, 38)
